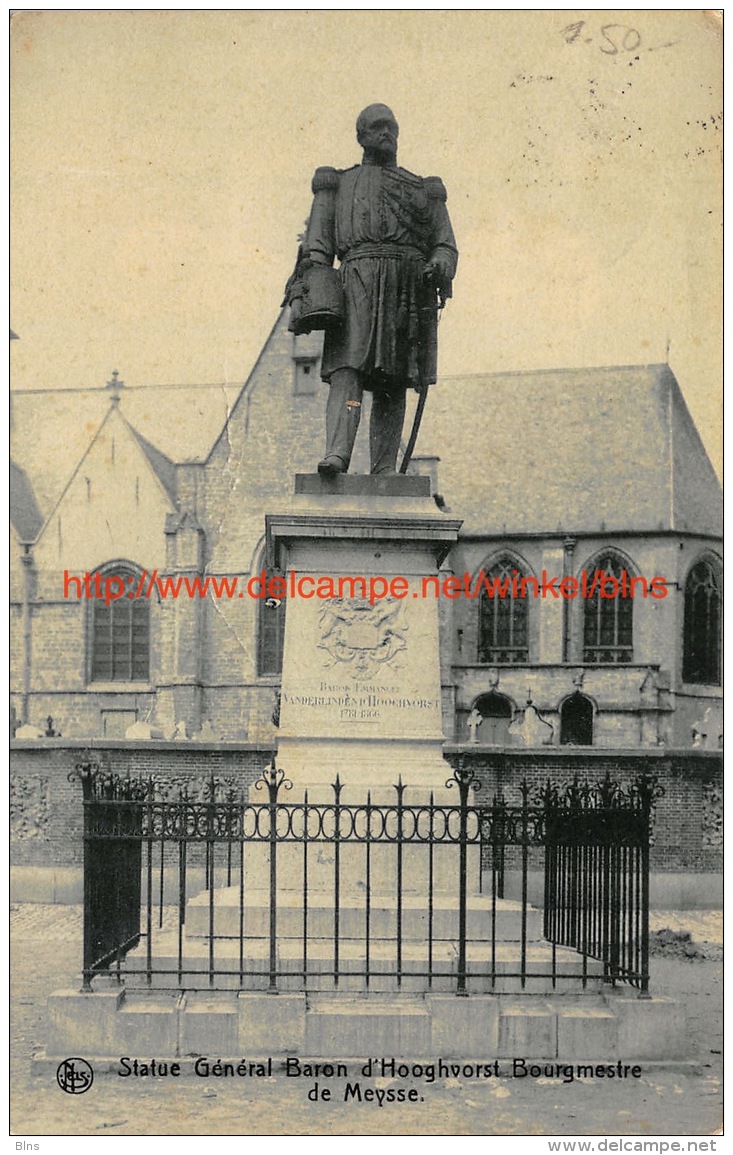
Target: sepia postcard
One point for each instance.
(366, 575)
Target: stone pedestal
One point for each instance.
(361, 692)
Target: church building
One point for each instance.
(595, 478)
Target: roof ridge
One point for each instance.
(128, 388)
(442, 377)
(557, 369)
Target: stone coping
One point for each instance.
(187, 744)
(586, 753)
(572, 753)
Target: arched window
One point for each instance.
(496, 713)
(120, 630)
(701, 658)
(270, 635)
(576, 721)
(608, 613)
(503, 625)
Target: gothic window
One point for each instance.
(120, 631)
(503, 616)
(496, 712)
(701, 657)
(270, 636)
(608, 620)
(576, 721)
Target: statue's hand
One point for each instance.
(438, 271)
(294, 286)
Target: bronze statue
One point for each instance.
(397, 258)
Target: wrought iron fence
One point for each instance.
(412, 863)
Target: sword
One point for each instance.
(407, 457)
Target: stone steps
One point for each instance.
(490, 972)
(506, 922)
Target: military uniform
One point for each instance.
(385, 225)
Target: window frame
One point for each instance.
(576, 696)
(276, 616)
(133, 674)
(489, 655)
(620, 653)
(496, 723)
(713, 660)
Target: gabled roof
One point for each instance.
(52, 429)
(182, 421)
(25, 515)
(114, 505)
(583, 450)
(577, 450)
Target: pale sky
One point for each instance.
(161, 166)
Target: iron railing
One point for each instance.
(145, 850)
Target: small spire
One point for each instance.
(115, 385)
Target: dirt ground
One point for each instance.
(680, 1099)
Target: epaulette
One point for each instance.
(406, 175)
(325, 178)
(436, 188)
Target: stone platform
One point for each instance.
(367, 486)
(360, 690)
(491, 972)
(604, 1027)
(552, 1014)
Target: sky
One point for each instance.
(161, 165)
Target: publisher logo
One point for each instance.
(75, 1076)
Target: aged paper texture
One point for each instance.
(161, 167)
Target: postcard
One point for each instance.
(366, 575)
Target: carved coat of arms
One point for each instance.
(361, 635)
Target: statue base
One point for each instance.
(361, 689)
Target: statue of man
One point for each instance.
(392, 235)
(474, 720)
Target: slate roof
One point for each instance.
(578, 450)
(25, 515)
(585, 450)
(162, 466)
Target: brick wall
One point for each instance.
(687, 834)
(46, 810)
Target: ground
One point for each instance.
(679, 1099)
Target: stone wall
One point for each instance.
(46, 850)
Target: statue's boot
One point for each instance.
(343, 414)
